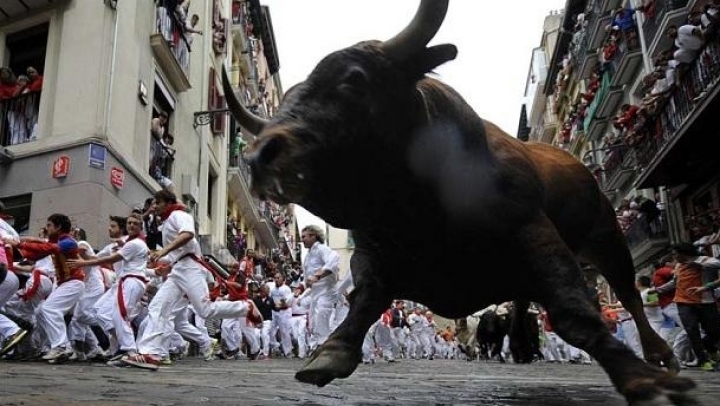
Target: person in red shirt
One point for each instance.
(36, 80)
(70, 283)
(8, 83)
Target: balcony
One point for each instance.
(627, 61)
(647, 238)
(171, 47)
(596, 119)
(19, 117)
(618, 168)
(666, 13)
(668, 153)
(239, 181)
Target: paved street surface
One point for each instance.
(270, 382)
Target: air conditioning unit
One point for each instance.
(189, 188)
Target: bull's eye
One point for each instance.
(355, 78)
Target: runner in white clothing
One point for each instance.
(320, 269)
(182, 251)
(120, 304)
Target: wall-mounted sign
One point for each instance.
(61, 167)
(117, 177)
(96, 159)
(143, 93)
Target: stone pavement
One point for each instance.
(271, 382)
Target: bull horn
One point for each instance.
(246, 118)
(419, 32)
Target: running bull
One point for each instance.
(370, 143)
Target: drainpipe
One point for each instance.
(111, 81)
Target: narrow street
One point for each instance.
(271, 382)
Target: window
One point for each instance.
(19, 208)
(212, 184)
(21, 81)
(162, 142)
(216, 102)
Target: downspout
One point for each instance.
(111, 81)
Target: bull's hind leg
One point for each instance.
(556, 280)
(340, 355)
(520, 338)
(607, 249)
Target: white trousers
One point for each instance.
(7, 289)
(233, 331)
(385, 341)
(186, 278)
(321, 310)
(554, 347)
(180, 320)
(265, 338)
(26, 309)
(85, 314)
(51, 314)
(681, 344)
(108, 312)
(299, 331)
(281, 322)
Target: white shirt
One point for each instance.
(46, 265)
(134, 255)
(179, 222)
(301, 304)
(320, 256)
(91, 272)
(109, 250)
(686, 40)
(282, 292)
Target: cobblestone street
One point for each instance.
(270, 382)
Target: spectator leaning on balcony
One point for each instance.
(689, 40)
(36, 80)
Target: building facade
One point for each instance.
(642, 141)
(86, 142)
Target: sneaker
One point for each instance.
(145, 361)
(691, 364)
(166, 361)
(255, 356)
(208, 353)
(253, 315)
(11, 342)
(117, 363)
(708, 366)
(58, 355)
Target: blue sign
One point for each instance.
(97, 156)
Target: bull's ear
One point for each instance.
(434, 56)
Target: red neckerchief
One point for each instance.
(171, 208)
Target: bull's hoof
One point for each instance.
(668, 361)
(329, 362)
(668, 390)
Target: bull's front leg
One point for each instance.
(340, 355)
(556, 280)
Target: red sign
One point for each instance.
(61, 167)
(117, 177)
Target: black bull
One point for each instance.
(370, 143)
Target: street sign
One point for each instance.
(97, 156)
(117, 177)
(61, 167)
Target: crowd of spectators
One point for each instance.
(636, 124)
(20, 103)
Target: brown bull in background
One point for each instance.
(370, 143)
